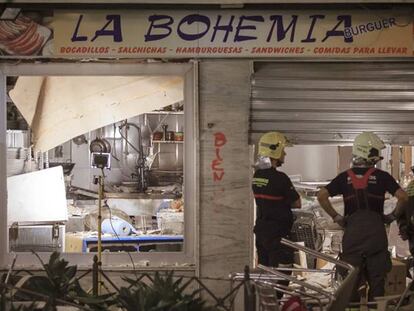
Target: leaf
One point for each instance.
(30, 307)
(71, 272)
(102, 302)
(164, 294)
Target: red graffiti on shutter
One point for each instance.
(218, 176)
(219, 141)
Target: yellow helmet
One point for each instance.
(272, 144)
(368, 145)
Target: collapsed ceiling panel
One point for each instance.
(58, 108)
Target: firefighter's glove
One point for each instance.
(388, 219)
(340, 220)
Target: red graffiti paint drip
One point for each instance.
(219, 141)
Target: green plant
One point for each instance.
(97, 303)
(164, 294)
(31, 307)
(60, 284)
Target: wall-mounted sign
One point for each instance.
(199, 33)
(270, 33)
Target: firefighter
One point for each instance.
(275, 197)
(363, 187)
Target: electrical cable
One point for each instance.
(117, 236)
(113, 229)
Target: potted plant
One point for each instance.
(164, 294)
(60, 285)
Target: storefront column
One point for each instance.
(225, 170)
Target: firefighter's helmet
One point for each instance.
(368, 146)
(272, 145)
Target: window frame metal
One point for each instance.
(186, 258)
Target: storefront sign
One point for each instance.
(233, 34)
(225, 33)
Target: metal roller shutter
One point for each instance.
(319, 103)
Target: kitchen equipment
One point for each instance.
(15, 166)
(100, 145)
(37, 197)
(37, 210)
(169, 136)
(128, 186)
(149, 160)
(67, 166)
(164, 130)
(80, 140)
(37, 237)
(157, 136)
(179, 136)
(17, 139)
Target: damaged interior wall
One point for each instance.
(311, 162)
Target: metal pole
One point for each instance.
(100, 198)
(95, 276)
(316, 254)
(100, 219)
(249, 294)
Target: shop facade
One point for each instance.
(320, 76)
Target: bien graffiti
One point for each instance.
(216, 165)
